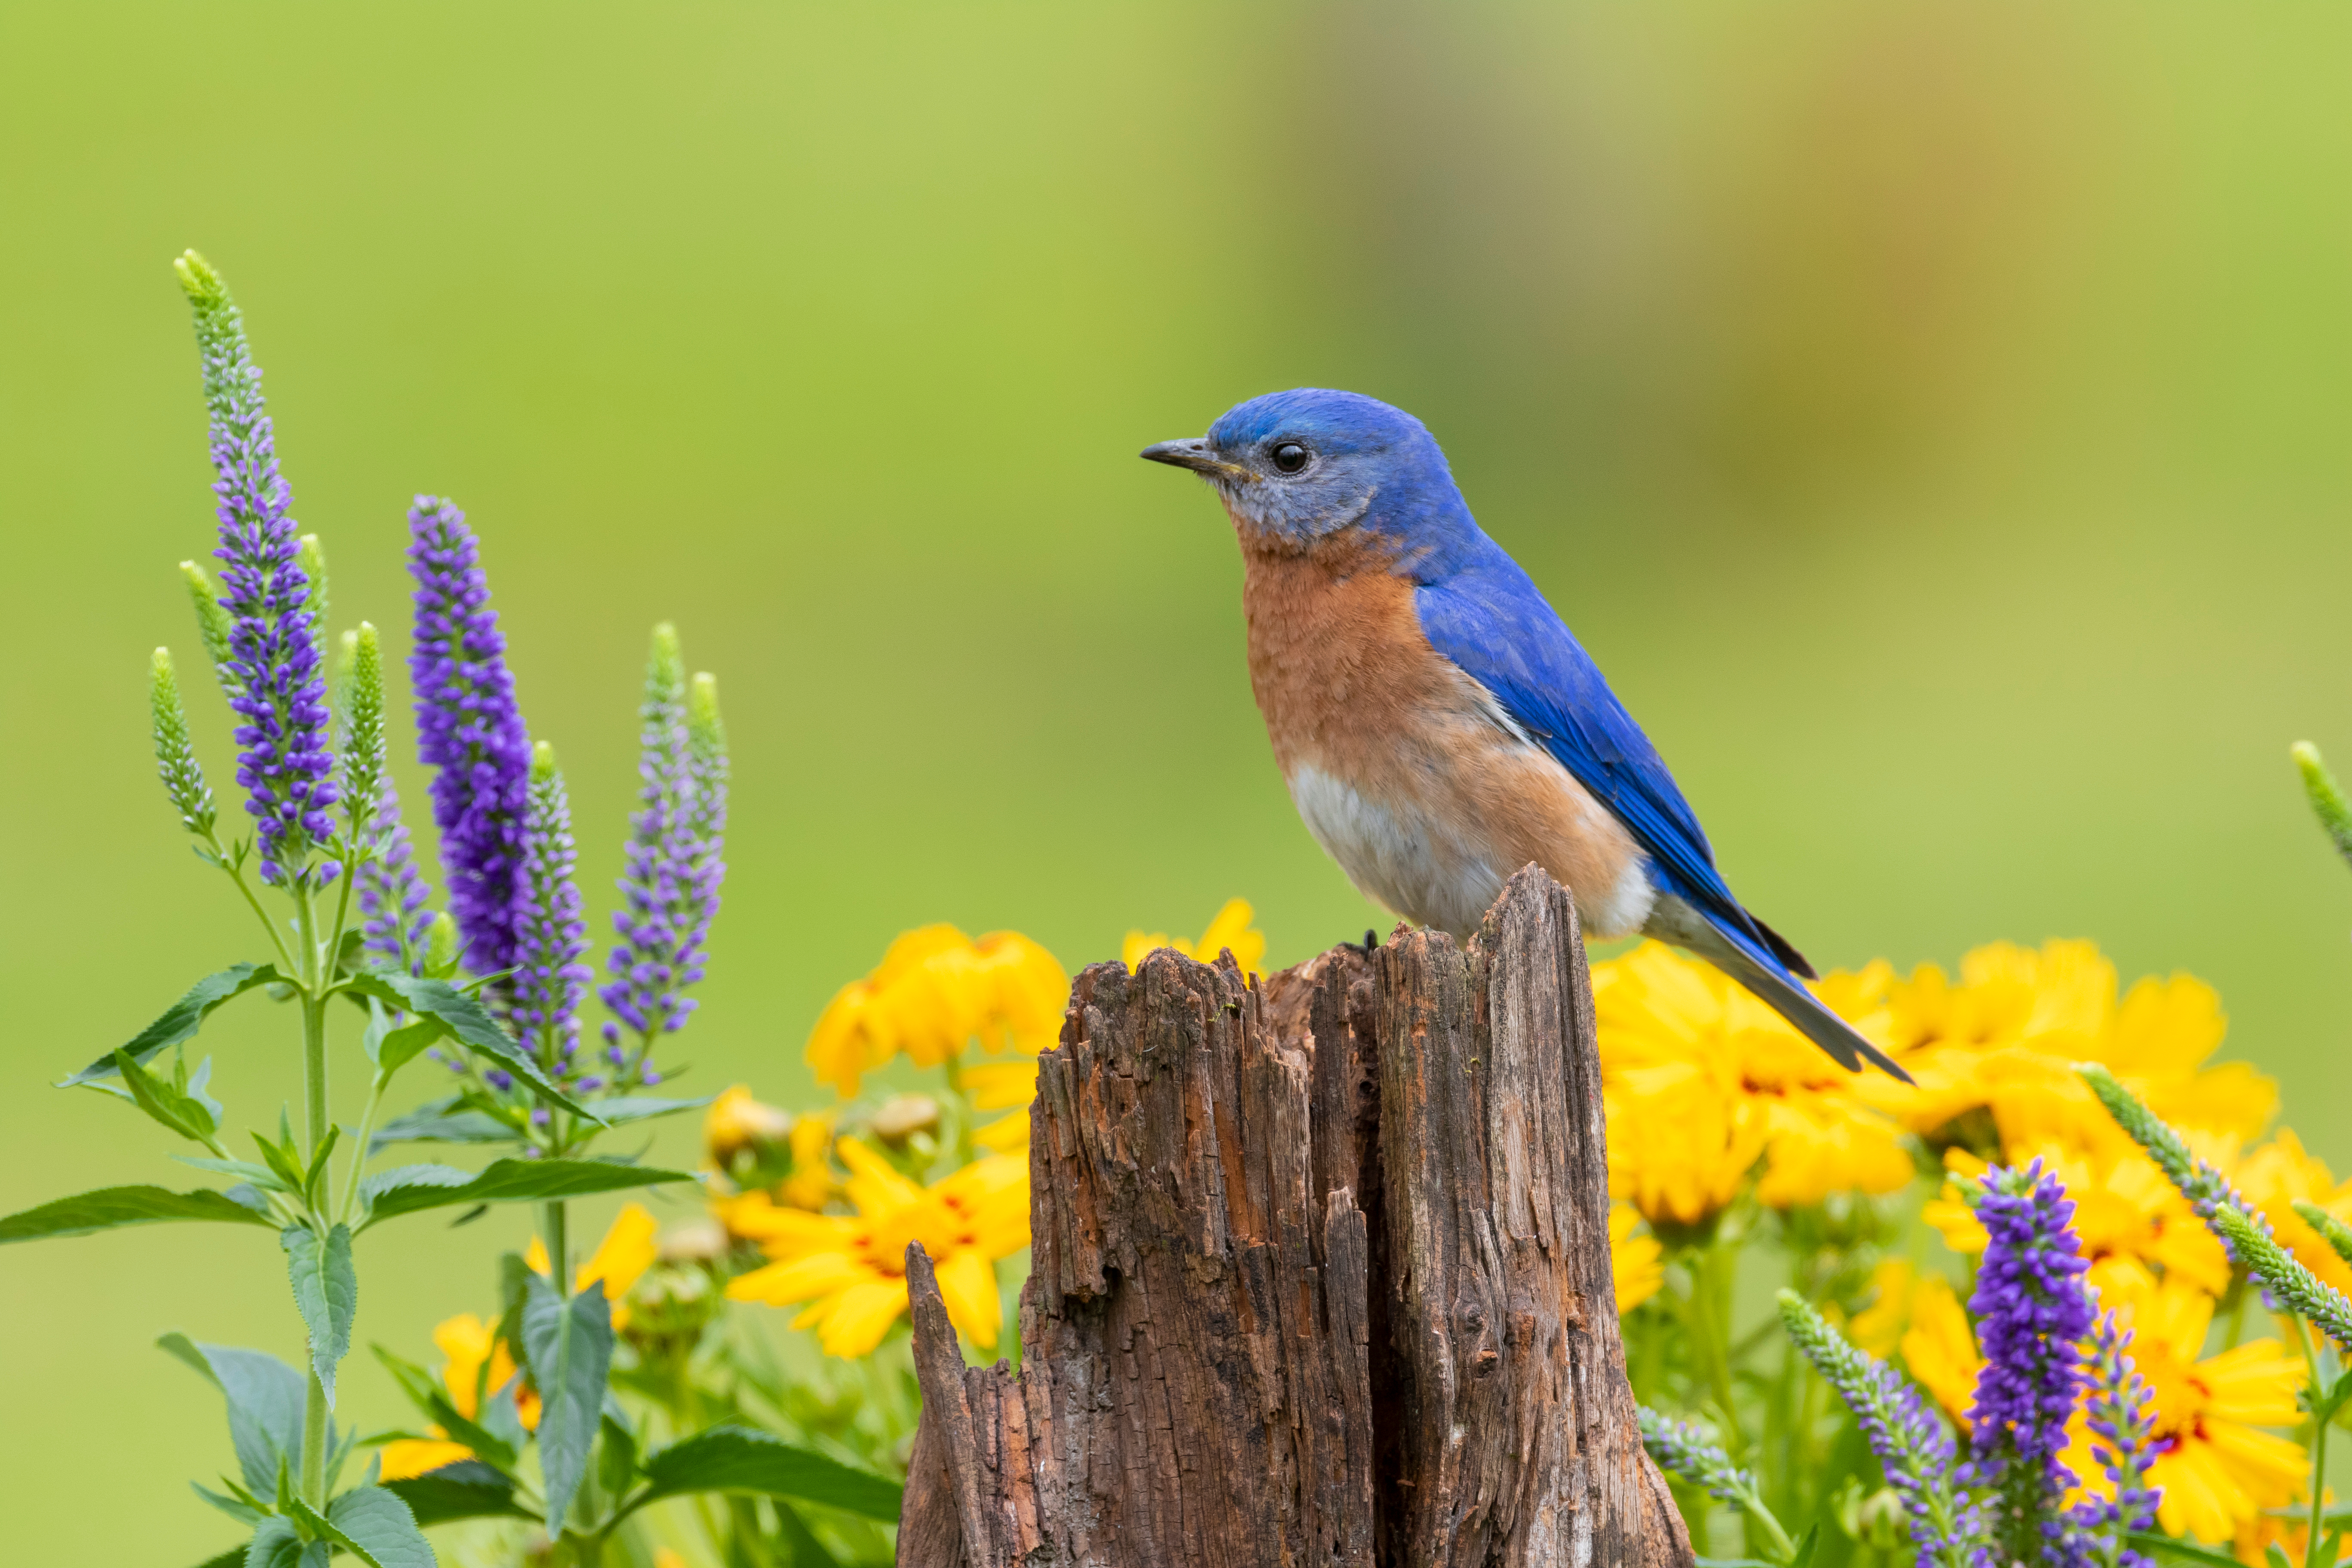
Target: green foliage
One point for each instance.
(734, 1458)
(111, 1208)
(326, 1293)
(567, 1342)
(491, 1440)
(181, 1021)
(447, 1121)
(2337, 1234)
(371, 1524)
(407, 1189)
(468, 1020)
(180, 1103)
(623, 1108)
(265, 1400)
(467, 1489)
(176, 753)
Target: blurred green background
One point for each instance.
(1934, 417)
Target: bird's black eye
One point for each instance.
(1290, 456)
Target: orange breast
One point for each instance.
(1402, 765)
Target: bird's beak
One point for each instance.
(1195, 454)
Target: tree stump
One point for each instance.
(1320, 1277)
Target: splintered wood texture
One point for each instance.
(1320, 1277)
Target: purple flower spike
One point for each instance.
(2123, 1418)
(392, 892)
(469, 730)
(674, 859)
(275, 675)
(2033, 1310)
(550, 938)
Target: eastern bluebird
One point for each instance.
(1437, 723)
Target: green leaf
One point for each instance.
(408, 1042)
(425, 1390)
(282, 1164)
(465, 1017)
(616, 1455)
(625, 1107)
(739, 1459)
(232, 1558)
(806, 1549)
(164, 1101)
(569, 1344)
(2181, 1550)
(1807, 1544)
(111, 1208)
(259, 1175)
(237, 1509)
(326, 1293)
(278, 1544)
(316, 1174)
(265, 1405)
(467, 1489)
(443, 1122)
(406, 1189)
(371, 1524)
(185, 1018)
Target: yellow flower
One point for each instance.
(1633, 1258)
(2218, 1470)
(1939, 1350)
(935, 992)
(628, 1250)
(811, 1182)
(1230, 930)
(404, 1458)
(479, 1364)
(736, 1122)
(666, 1558)
(852, 1269)
(2291, 1536)
(2125, 1211)
(1701, 1079)
(2005, 1036)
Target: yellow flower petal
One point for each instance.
(404, 1458)
(968, 1287)
(622, 1259)
(860, 1316)
(1634, 1259)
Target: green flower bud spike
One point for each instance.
(213, 622)
(361, 704)
(2337, 1234)
(441, 945)
(175, 756)
(706, 732)
(2327, 801)
(312, 558)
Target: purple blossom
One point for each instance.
(469, 730)
(2122, 1417)
(274, 675)
(2032, 1311)
(675, 864)
(392, 892)
(549, 936)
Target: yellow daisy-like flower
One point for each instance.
(1633, 1258)
(2003, 1039)
(736, 1122)
(1231, 930)
(1920, 1316)
(1701, 1079)
(935, 992)
(2219, 1470)
(2125, 1211)
(404, 1459)
(2279, 1172)
(852, 1269)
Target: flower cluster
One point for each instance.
(935, 992)
(549, 977)
(274, 673)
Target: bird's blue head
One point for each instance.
(1296, 466)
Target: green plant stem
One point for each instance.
(553, 1221)
(1711, 1335)
(2318, 1441)
(314, 1097)
(1776, 1538)
(342, 905)
(350, 1209)
(253, 903)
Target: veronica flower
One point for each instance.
(2122, 1420)
(469, 730)
(674, 866)
(1914, 1450)
(175, 755)
(2031, 1311)
(549, 936)
(273, 673)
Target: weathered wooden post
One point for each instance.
(1321, 1277)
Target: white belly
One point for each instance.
(1430, 869)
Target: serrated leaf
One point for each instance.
(569, 1343)
(443, 1122)
(111, 1208)
(236, 1508)
(468, 1020)
(282, 1162)
(406, 1189)
(1807, 1544)
(316, 1172)
(467, 1489)
(278, 1544)
(235, 1556)
(371, 1524)
(623, 1108)
(185, 1018)
(326, 1293)
(617, 1456)
(740, 1459)
(259, 1175)
(162, 1101)
(265, 1399)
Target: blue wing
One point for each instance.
(1490, 619)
